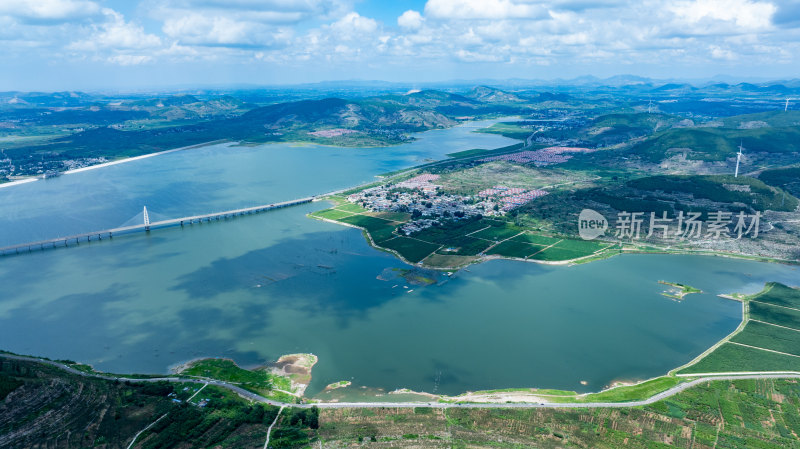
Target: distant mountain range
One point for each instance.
(362, 88)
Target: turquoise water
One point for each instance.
(256, 287)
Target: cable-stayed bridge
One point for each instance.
(145, 226)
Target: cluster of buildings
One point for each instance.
(333, 132)
(33, 166)
(508, 198)
(427, 203)
(422, 182)
(419, 196)
(545, 156)
(416, 225)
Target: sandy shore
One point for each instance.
(18, 182)
(116, 162)
(144, 156)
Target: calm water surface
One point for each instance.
(212, 178)
(256, 287)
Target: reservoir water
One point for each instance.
(211, 178)
(256, 287)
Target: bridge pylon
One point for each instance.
(146, 219)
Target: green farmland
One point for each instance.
(412, 250)
(508, 129)
(456, 243)
(769, 341)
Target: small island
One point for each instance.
(337, 385)
(678, 291)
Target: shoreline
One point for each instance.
(144, 156)
(246, 394)
(115, 162)
(17, 182)
(299, 143)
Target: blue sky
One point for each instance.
(143, 44)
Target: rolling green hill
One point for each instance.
(718, 144)
(487, 94)
(717, 188)
(775, 119)
(785, 178)
(375, 122)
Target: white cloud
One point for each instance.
(467, 33)
(266, 11)
(241, 24)
(410, 19)
(203, 30)
(743, 13)
(49, 10)
(469, 56)
(484, 9)
(125, 59)
(117, 34)
(354, 23)
(718, 52)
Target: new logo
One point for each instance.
(591, 224)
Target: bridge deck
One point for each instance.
(50, 243)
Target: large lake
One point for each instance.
(256, 287)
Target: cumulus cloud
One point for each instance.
(196, 29)
(257, 24)
(266, 11)
(516, 33)
(718, 52)
(354, 23)
(743, 13)
(117, 34)
(484, 9)
(410, 19)
(48, 10)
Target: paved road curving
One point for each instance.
(333, 405)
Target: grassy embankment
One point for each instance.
(618, 393)
(768, 340)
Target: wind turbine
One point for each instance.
(738, 159)
(786, 108)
